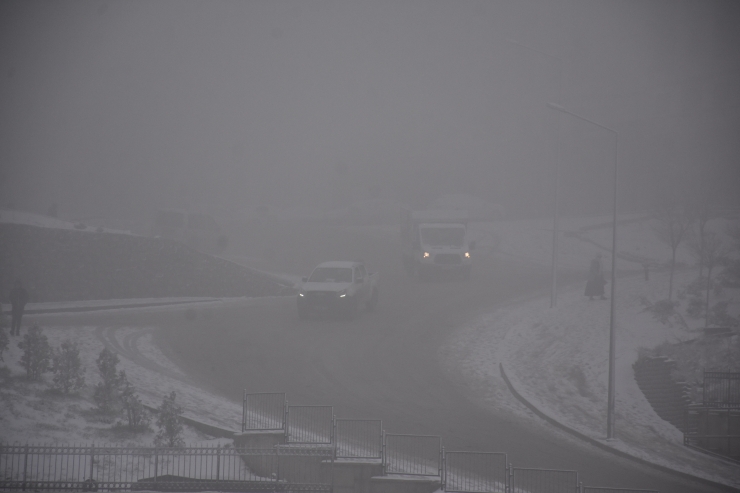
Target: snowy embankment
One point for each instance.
(557, 358)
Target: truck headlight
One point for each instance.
(426, 255)
(467, 254)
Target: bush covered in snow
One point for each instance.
(37, 352)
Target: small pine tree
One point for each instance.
(169, 423)
(107, 393)
(135, 411)
(67, 367)
(37, 353)
(4, 341)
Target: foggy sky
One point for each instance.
(117, 108)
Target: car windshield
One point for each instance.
(453, 236)
(331, 274)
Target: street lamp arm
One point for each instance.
(558, 107)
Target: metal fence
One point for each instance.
(264, 411)
(523, 480)
(94, 468)
(475, 472)
(419, 455)
(712, 429)
(721, 389)
(310, 424)
(595, 489)
(358, 438)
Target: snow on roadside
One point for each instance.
(29, 413)
(558, 360)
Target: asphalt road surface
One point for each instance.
(386, 364)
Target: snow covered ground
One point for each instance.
(555, 358)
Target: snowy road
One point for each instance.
(387, 365)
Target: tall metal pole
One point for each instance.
(555, 231)
(612, 335)
(556, 212)
(612, 332)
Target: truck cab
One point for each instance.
(436, 242)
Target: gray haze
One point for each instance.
(116, 108)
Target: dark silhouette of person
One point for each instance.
(596, 281)
(18, 300)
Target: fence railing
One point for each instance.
(358, 438)
(596, 489)
(264, 411)
(712, 429)
(310, 424)
(525, 480)
(418, 455)
(721, 389)
(94, 468)
(475, 472)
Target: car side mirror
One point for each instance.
(304, 279)
(472, 245)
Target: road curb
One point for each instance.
(602, 446)
(82, 309)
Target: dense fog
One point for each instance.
(116, 109)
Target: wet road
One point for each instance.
(385, 364)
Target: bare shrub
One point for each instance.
(136, 414)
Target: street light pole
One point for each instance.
(556, 213)
(612, 338)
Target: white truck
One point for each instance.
(338, 287)
(436, 241)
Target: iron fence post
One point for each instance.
(381, 440)
(244, 411)
(25, 467)
(92, 460)
(156, 464)
(509, 477)
(443, 468)
(333, 438)
(383, 454)
(277, 464)
(218, 462)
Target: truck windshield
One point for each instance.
(443, 236)
(331, 274)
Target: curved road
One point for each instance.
(385, 364)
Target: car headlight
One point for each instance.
(301, 293)
(467, 254)
(426, 255)
(342, 293)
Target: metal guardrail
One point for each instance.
(417, 455)
(358, 438)
(310, 424)
(264, 411)
(526, 480)
(726, 445)
(721, 389)
(94, 468)
(596, 489)
(475, 472)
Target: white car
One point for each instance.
(338, 287)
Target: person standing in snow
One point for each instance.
(596, 281)
(18, 300)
